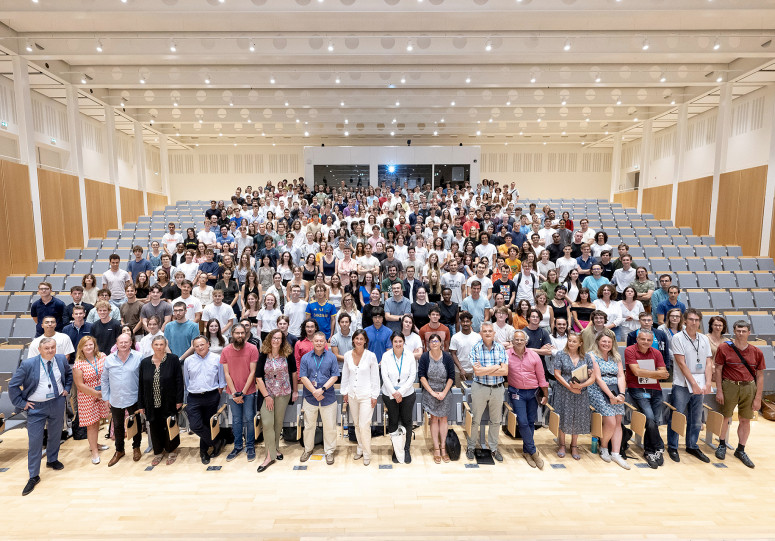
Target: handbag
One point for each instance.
(453, 445)
(768, 407)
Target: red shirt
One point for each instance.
(468, 225)
(631, 357)
(734, 369)
(239, 365)
(426, 331)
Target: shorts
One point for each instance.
(738, 395)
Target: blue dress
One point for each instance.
(609, 370)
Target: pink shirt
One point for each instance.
(526, 372)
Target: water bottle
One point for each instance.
(594, 445)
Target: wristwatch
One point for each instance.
(237, 394)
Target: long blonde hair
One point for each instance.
(614, 350)
(581, 343)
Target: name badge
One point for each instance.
(515, 396)
(98, 388)
(49, 396)
(699, 368)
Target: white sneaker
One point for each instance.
(95, 460)
(103, 447)
(605, 455)
(616, 457)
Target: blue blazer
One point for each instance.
(26, 378)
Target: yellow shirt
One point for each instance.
(515, 265)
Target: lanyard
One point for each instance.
(95, 365)
(398, 366)
(317, 364)
(696, 349)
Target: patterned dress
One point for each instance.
(437, 379)
(609, 370)
(573, 409)
(91, 409)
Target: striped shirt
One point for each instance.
(495, 355)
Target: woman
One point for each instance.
(519, 321)
(544, 266)
(433, 286)
(630, 307)
(243, 268)
(374, 302)
(571, 399)
(142, 286)
(265, 273)
(442, 255)
(199, 256)
(412, 340)
(215, 337)
(717, 326)
(154, 256)
(298, 280)
(351, 309)
(573, 285)
(251, 310)
(309, 270)
(547, 315)
(568, 222)
(360, 390)
(190, 242)
(202, 291)
(401, 251)
(468, 266)
(601, 244)
(89, 283)
(644, 287)
(87, 372)
(353, 289)
(285, 267)
(335, 292)
(551, 283)
(277, 290)
(250, 286)
(267, 316)
(154, 330)
(160, 395)
(498, 301)
(437, 375)
(607, 396)
(581, 310)
(169, 290)
(560, 305)
(421, 307)
(368, 286)
(431, 266)
(606, 302)
(229, 287)
(276, 381)
(189, 266)
(328, 263)
(399, 369)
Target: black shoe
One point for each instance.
(280, 456)
(470, 454)
(395, 458)
(673, 454)
(699, 455)
(30, 486)
(263, 468)
(744, 458)
(407, 457)
(218, 446)
(660, 457)
(205, 458)
(651, 460)
(721, 451)
(56, 465)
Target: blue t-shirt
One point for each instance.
(379, 340)
(476, 308)
(593, 284)
(210, 268)
(136, 267)
(665, 306)
(585, 265)
(322, 314)
(180, 335)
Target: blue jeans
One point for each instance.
(690, 405)
(451, 330)
(525, 406)
(649, 402)
(243, 413)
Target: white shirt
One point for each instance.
(268, 319)
(144, 345)
(455, 283)
(116, 282)
(297, 313)
(208, 237)
(622, 278)
(564, 266)
(630, 325)
(193, 306)
(412, 343)
(41, 392)
(503, 335)
(613, 311)
(189, 269)
(398, 374)
(486, 285)
(589, 236)
(171, 241)
(223, 313)
(487, 250)
(64, 345)
(462, 344)
(696, 353)
(361, 381)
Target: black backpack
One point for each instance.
(453, 445)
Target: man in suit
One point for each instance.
(40, 387)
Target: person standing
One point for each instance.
(89, 364)
(319, 372)
(40, 387)
(360, 390)
(739, 383)
(239, 368)
(490, 367)
(571, 397)
(437, 375)
(460, 347)
(399, 368)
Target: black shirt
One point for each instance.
(536, 340)
(106, 334)
(575, 250)
(555, 251)
(448, 313)
(507, 287)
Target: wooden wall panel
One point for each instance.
(131, 204)
(61, 219)
(627, 199)
(740, 213)
(156, 201)
(100, 208)
(693, 208)
(657, 201)
(772, 235)
(18, 227)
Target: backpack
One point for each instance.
(453, 445)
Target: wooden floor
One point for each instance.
(586, 499)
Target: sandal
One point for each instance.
(575, 454)
(436, 457)
(157, 459)
(561, 451)
(171, 459)
(444, 455)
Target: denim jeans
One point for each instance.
(243, 414)
(649, 402)
(690, 405)
(525, 407)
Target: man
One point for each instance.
(342, 341)
(206, 235)
(170, 239)
(577, 245)
(180, 331)
(64, 345)
(47, 305)
(77, 328)
(106, 329)
(242, 239)
(644, 369)
(239, 361)
(505, 286)
(213, 210)
(597, 324)
(412, 284)
(120, 384)
(269, 251)
(660, 341)
(668, 304)
(525, 377)
(130, 310)
(538, 339)
(139, 264)
(391, 278)
(209, 267)
(40, 386)
(378, 335)
(76, 293)
(622, 249)
(192, 304)
(205, 381)
(391, 261)
(526, 282)
(692, 377)
(156, 307)
(624, 276)
(587, 233)
(434, 326)
(490, 366)
(661, 294)
(484, 281)
(322, 311)
(460, 347)
(220, 311)
(739, 383)
(455, 281)
(555, 248)
(223, 237)
(396, 307)
(485, 249)
(115, 280)
(476, 305)
(319, 372)
(296, 311)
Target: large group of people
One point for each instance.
(286, 291)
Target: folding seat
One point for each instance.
(735, 251)
(65, 298)
(46, 267)
(702, 250)
(636, 251)
(23, 330)
(693, 240)
(685, 231)
(698, 299)
(671, 251)
(33, 281)
(743, 299)
(642, 231)
(726, 280)
(660, 265)
(126, 243)
(686, 251)
(4, 301)
(113, 234)
(9, 358)
(100, 266)
(745, 279)
(105, 253)
(652, 251)
(653, 223)
(72, 280)
(764, 279)
(6, 324)
(713, 264)
(708, 240)
(125, 254)
(720, 299)
(670, 230)
(748, 263)
(94, 243)
(57, 282)
(766, 263)
(695, 264)
(686, 280)
(730, 263)
(630, 240)
(89, 254)
(764, 298)
(706, 280)
(763, 325)
(73, 253)
(718, 251)
(769, 360)
(14, 282)
(82, 267)
(64, 267)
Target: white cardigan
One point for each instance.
(392, 381)
(362, 381)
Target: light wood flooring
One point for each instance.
(588, 499)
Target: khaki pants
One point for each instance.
(491, 398)
(361, 413)
(328, 416)
(272, 423)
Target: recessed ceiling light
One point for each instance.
(174, 104)
(635, 119)
(409, 46)
(330, 46)
(508, 103)
(173, 46)
(672, 102)
(151, 122)
(392, 133)
(566, 47)
(346, 121)
(200, 120)
(297, 121)
(207, 79)
(719, 78)
(533, 79)
(563, 133)
(716, 45)
(398, 103)
(662, 78)
(618, 102)
(645, 46)
(489, 120)
(468, 80)
(563, 101)
(28, 47)
(403, 79)
(539, 119)
(452, 103)
(394, 121)
(263, 134)
(347, 134)
(252, 47)
(606, 133)
(83, 80)
(122, 103)
(478, 132)
(442, 120)
(341, 104)
(271, 80)
(337, 80)
(231, 104)
(142, 80)
(250, 121)
(177, 134)
(306, 134)
(286, 104)
(435, 132)
(598, 78)
(99, 46)
(488, 45)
